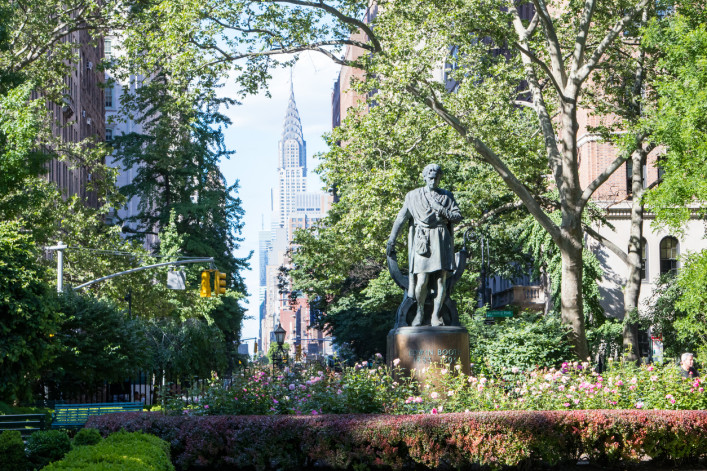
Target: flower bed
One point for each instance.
(459, 440)
(377, 389)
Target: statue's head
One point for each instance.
(432, 174)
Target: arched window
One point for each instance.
(669, 255)
(644, 252)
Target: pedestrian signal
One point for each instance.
(205, 284)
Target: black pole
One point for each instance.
(129, 299)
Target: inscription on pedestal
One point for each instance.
(419, 347)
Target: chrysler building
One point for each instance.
(292, 163)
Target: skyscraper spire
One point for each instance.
(292, 160)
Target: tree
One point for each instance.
(28, 319)
(679, 122)
(96, 342)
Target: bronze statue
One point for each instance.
(431, 212)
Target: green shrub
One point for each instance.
(121, 451)
(46, 446)
(87, 436)
(12, 451)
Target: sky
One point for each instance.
(254, 135)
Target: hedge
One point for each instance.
(121, 451)
(458, 441)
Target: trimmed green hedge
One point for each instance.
(121, 451)
(610, 438)
(12, 451)
(46, 446)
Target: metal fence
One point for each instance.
(142, 386)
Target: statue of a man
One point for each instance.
(433, 211)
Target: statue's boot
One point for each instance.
(437, 320)
(417, 321)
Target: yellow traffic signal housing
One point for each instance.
(255, 348)
(205, 284)
(298, 352)
(219, 283)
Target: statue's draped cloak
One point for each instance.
(432, 246)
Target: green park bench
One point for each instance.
(76, 415)
(26, 424)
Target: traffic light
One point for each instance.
(255, 348)
(298, 352)
(205, 284)
(219, 283)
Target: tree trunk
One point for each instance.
(571, 297)
(633, 277)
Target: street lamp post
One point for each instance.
(280, 339)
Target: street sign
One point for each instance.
(499, 313)
(176, 279)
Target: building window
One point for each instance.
(109, 134)
(629, 177)
(644, 251)
(108, 48)
(668, 255)
(109, 96)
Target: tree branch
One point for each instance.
(553, 42)
(582, 73)
(607, 243)
(581, 40)
(528, 53)
(343, 18)
(553, 152)
(490, 157)
(608, 171)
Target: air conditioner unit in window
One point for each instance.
(89, 66)
(88, 121)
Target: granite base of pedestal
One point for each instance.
(418, 348)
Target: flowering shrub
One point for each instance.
(374, 388)
(528, 439)
(364, 388)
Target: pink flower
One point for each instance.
(291, 387)
(654, 378)
(634, 380)
(450, 393)
(566, 404)
(396, 362)
(434, 395)
(275, 401)
(650, 368)
(434, 411)
(619, 383)
(444, 371)
(639, 405)
(314, 412)
(672, 401)
(206, 406)
(339, 391)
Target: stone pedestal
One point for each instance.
(420, 347)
